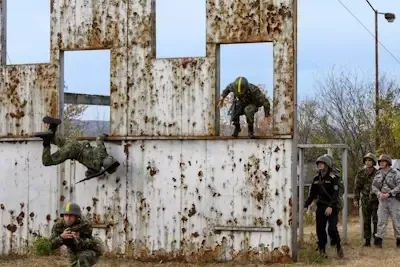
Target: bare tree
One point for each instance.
(346, 109)
(73, 125)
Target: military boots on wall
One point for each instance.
(236, 131)
(251, 131)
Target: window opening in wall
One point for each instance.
(86, 92)
(180, 28)
(28, 31)
(255, 63)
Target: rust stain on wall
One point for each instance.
(28, 93)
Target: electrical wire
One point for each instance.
(393, 56)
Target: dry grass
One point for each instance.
(355, 255)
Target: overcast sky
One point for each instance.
(327, 35)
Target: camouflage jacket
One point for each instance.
(253, 96)
(363, 183)
(83, 242)
(386, 184)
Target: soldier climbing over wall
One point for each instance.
(95, 159)
(247, 99)
(76, 234)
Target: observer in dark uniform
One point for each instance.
(325, 188)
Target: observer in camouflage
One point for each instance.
(369, 201)
(386, 186)
(93, 158)
(83, 249)
(247, 99)
(325, 188)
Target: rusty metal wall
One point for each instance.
(149, 96)
(168, 195)
(164, 201)
(28, 195)
(27, 94)
(167, 198)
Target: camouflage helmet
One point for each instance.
(371, 157)
(326, 160)
(386, 158)
(71, 209)
(110, 164)
(241, 85)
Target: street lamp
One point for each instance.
(390, 17)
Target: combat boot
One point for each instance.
(322, 253)
(339, 251)
(52, 122)
(236, 131)
(251, 132)
(378, 242)
(367, 242)
(46, 137)
(398, 242)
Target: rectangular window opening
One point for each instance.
(180, 28)
(254, 61)
(86, 92)
(28, 32)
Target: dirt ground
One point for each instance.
(355, 255)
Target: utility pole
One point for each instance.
(390, 17)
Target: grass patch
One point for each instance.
(42, 247)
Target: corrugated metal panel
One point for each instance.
(119, 97)
(90, 24)
(171, 97)
(28, 193)
(165, 199)
(3, 41)
(230, 21)
(179, 190)
(28, 93)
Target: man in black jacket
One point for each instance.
(325, 188)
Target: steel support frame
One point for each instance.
(300, 185)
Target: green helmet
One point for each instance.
(326, 160)
(371, 157)
(110, 164)
(71, 209)
(241, 85)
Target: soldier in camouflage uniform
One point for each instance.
(386, 186)
(325, 188)
(247, 99)
(369, 202)
(93, 158)
(76, 234)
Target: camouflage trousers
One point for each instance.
(85, 258)
(370, 213)
(388, 207)
(74, 150)
(239, 108)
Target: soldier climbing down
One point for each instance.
(247, 99)
(325, 188)
(369, 201)
(76, 234)
(93, 158)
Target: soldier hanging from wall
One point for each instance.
(247, 99)
(325, 188)
(95, 159)
(369, 201)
